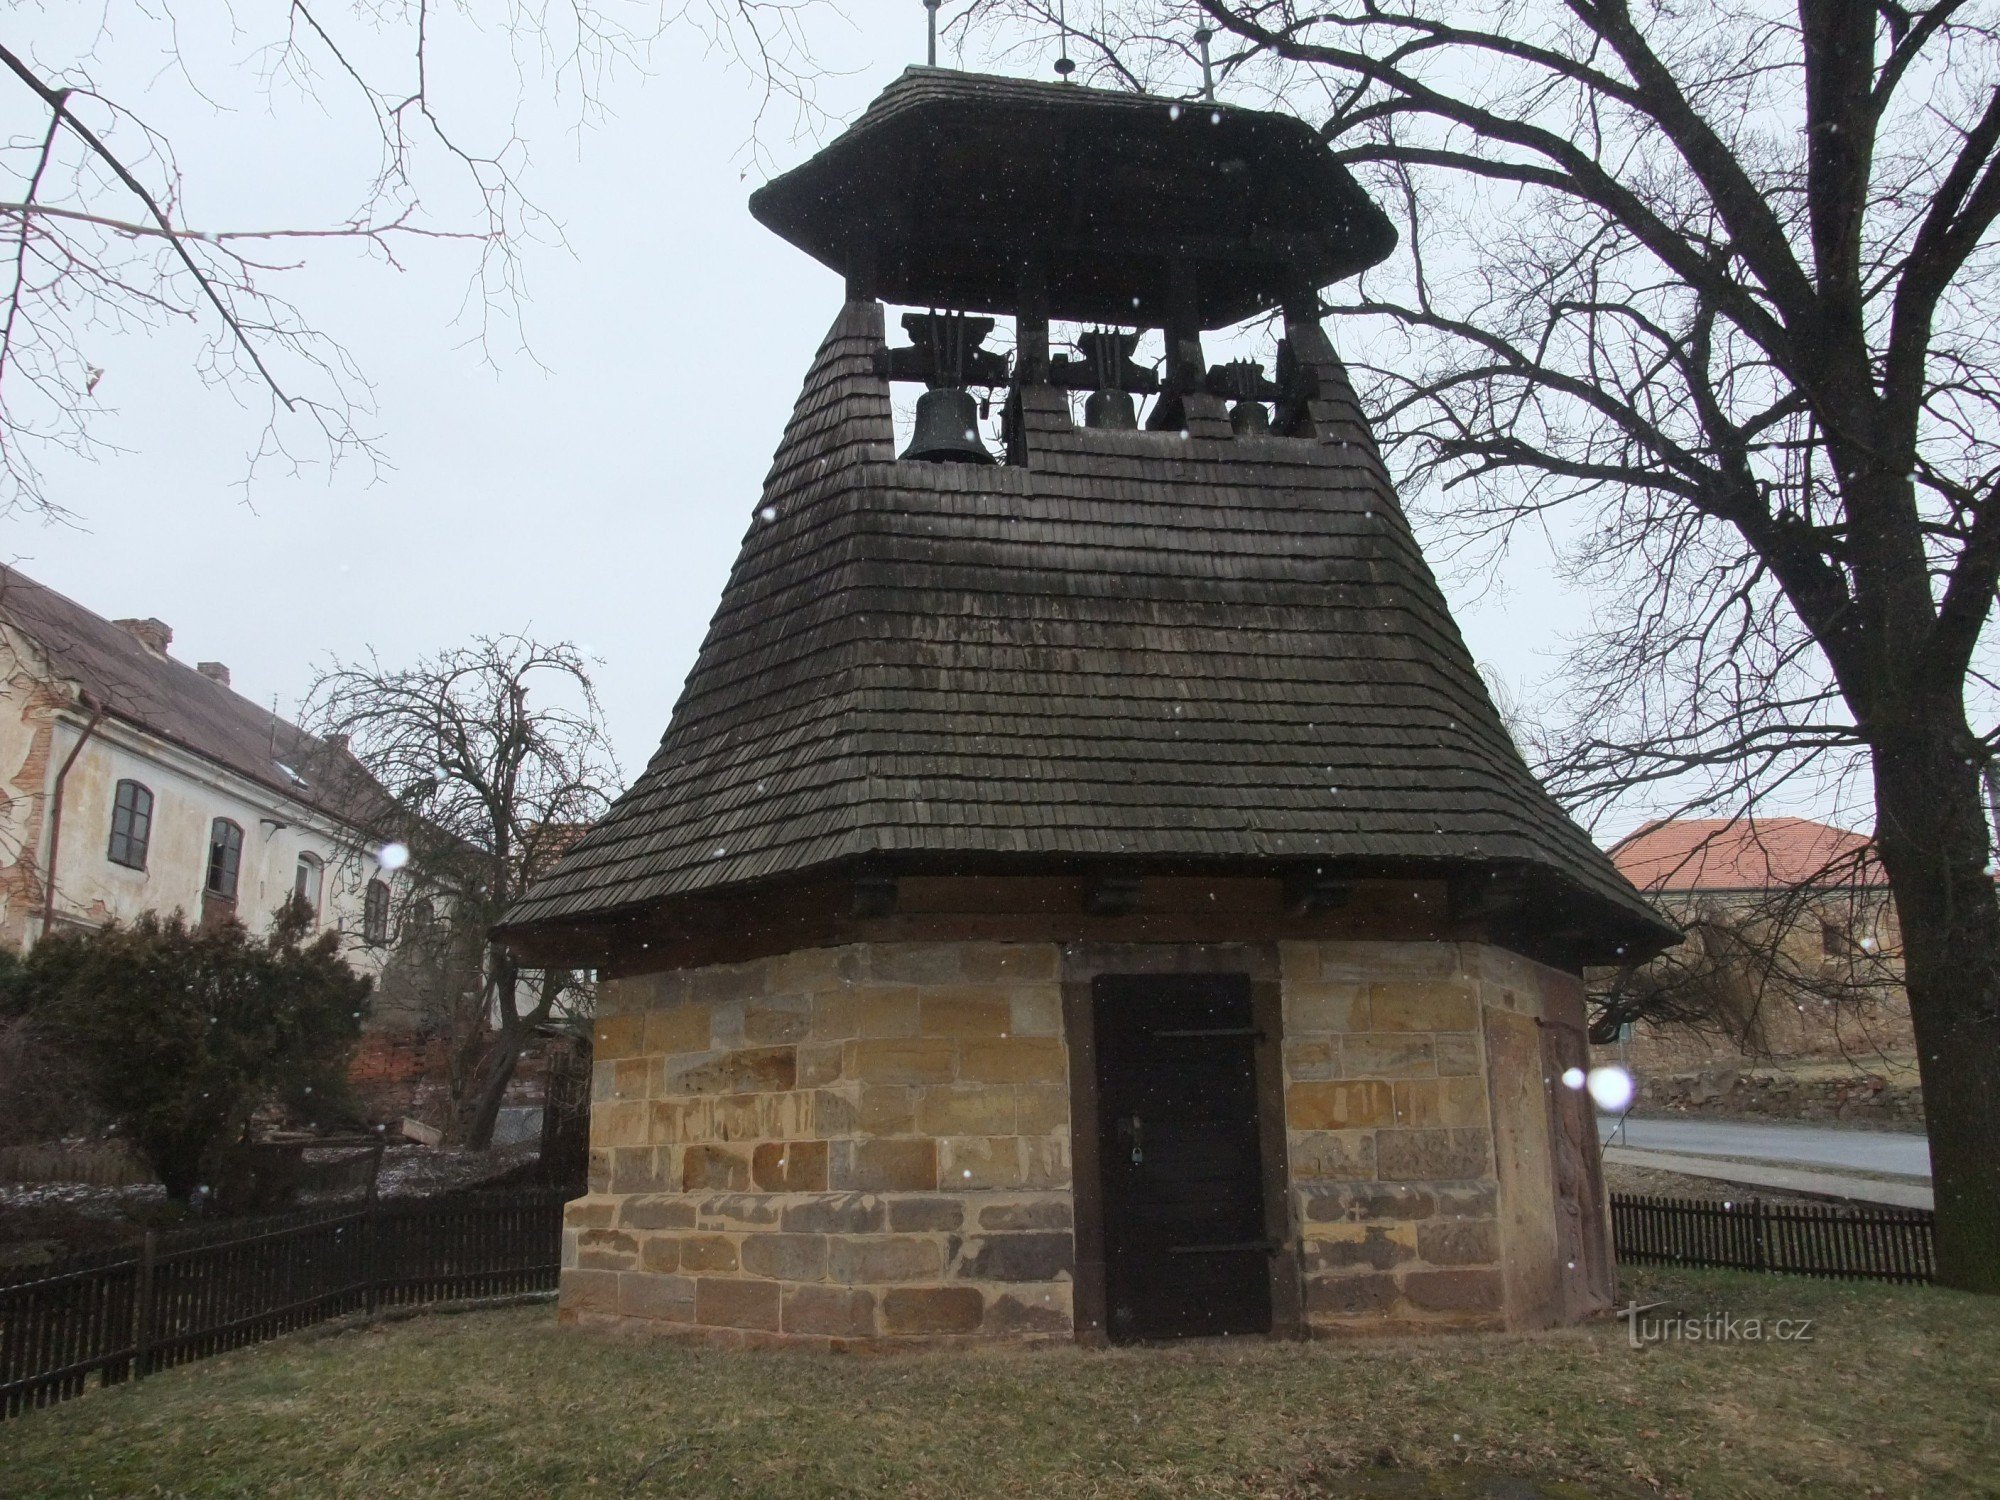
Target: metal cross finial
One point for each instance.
(931, 9)
(1064, 67)
(1204, 36)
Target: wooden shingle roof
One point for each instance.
(1138, 649)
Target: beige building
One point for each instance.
(132, 782)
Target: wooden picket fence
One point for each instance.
(118, 1315)
(1805, 1239)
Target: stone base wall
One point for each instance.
(1423, 1170)
(857, 1145)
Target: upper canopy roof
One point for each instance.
(951, 181)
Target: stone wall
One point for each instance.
(857, 1144)
(1423, 1181)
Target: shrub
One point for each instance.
(184, 1034)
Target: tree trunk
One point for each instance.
(1932, 834)
(477, 1110)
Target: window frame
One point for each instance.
(208, 885)
(309, 861)
(128, 817)
(375, 900)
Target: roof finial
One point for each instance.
(1064, 67)
(1203, 37)
(931, 8)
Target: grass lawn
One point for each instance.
(1898, 1393)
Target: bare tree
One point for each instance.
(1709, 289)
(490, 785)
(94, 233)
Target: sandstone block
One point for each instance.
(1340, 1105)
(660, 1254)
(1431, 1102)
(1036, 1011)
(725, 1302)
(1457, 1052)
(1467, 1200)
(1025, 1059)
(664, 1117)
(1345, 1246)
(892, 1060)
(967, 1010)
(1047, 1256)
(1459, 1242)
(785, 1257)
(642, 1169)
(777, 1018)
(734, 1117)
(709, 1167)
(788, 1116)
(1311, 1060)
(707, 1252)
(1041, 1109)
(621, 1123)
(1431, 1155)
(1324, 1203)
(750, 1070)
(614, 1037)
(884, 1010)
(1358, 1294)
(921, 1215)
(589, 1291)
(602, 1073)
(667, 1299)
(916, 963)
(1454, 1291)
(1330, 1155)
(1423, 1005)
(635, 1077)
(728, 1211)
(966, 1109)
(872, 1260)
(789, 1166)
(589, 1213)
(1015, 1214)
(597, 1170)
(678, 1028)
(1015, 962)
(820, 1063)
(1388, 1054)
(606, 1250)
(883, 1109)
(1375, 960)
(884, 1166)
(1045, 1162)
(831, 1311)
(804, 971)
(978, 1162)
(1037, 1310)
(730, 981)
(932, 1309)
(836, 1213)
(1315, 1006)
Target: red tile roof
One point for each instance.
(1755, 854)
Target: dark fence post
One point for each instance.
(370, 1273)
(142, 1303)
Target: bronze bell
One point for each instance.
(1112, 409)
(1250, 419)
(947, 428)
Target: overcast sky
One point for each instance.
(596, 491)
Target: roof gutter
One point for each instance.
(55, 817)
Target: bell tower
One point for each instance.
(1085, 890)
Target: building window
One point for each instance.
(375, 913)
(1833, 939)
(131, 825)
(307, 883)
(225, 858)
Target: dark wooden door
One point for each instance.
(1185, 1252)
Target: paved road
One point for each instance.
(1817, 1145)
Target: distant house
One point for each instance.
(131, 782)
(1793, 949)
